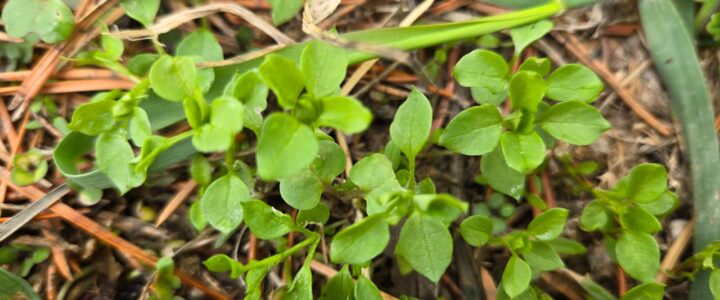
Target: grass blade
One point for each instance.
(676, 60)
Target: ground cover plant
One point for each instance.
(275, 180)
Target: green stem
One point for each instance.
(280, 257)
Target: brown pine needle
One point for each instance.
(102, 234)
(72, 86)
(175, 201)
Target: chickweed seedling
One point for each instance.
(294, 150)
(628, 215)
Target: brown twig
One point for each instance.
(621, 281)
(452, 287)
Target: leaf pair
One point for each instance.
(638, 201)
(287, 142)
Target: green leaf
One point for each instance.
(221, 204)
(474, 131)
(715, 283)
(573, 82)
(365, 289)
(93, 118)
(284, 10)
(254, 280)
(140, 64)
(638, 254)
(526, 90)
(443, 207)
(52, 20)
(566, 246)
(209, 139)
(340, 286)
(594, 216)
(516, 277)
(174, 78)
(301, 286)
(139, 126)
(14, 287)
(425, 243)
(115, 157)
(476, 230)
(323, 66)
(645, 291)
(301, 190)
(143, 11)
(329, 162)
(523, 152)
(285, 147)
(227, 113)
(360, 242)
(542, 257)
(265, 221)
(196, 111)
(200, 170)
(411, 126)
(574, 122)
(282, 76)
(486, 72)
(524, 35)
(372, 172)
(540, 65)
(223, 263)
(646, 183)
(344, 113)
(500, 176)
(549, 224)
(196, 217)
(665, 204)
(29, 167)
(316, 215)
(638, 218)
(249, 89)
(200, 43)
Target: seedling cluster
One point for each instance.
(524, 109)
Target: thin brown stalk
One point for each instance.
(172, 21)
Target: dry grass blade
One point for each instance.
(320, 9)
(27, 214)
(171, 22)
